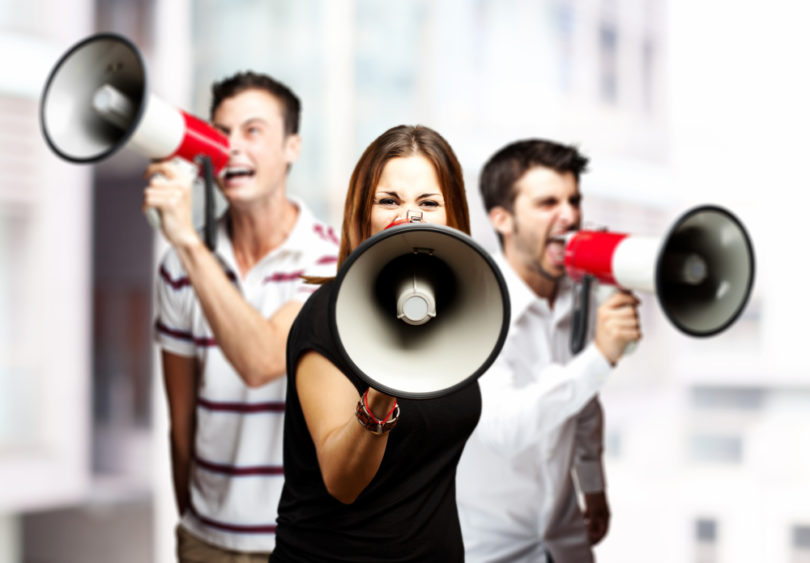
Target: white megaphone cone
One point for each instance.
(419, 310)
(702, 270)
(96, 102)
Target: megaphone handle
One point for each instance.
(580, 314)
(152, 217)
(209, 227)
(151, 213)
(601, 294)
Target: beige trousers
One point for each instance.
(191, 549)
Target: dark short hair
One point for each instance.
(241, 81)
(503, 170)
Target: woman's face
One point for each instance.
(407, 184)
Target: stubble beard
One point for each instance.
(534, 256)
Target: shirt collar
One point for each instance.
(521, 296)
(224, 246)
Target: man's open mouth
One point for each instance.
(556, 250)
(238, 172)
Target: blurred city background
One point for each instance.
(677, 102)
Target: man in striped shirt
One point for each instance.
(223, 319)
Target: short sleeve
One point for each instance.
(174, 293)
(321, 260)
(312, 331)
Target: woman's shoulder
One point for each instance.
(318, 303)
(311, 328)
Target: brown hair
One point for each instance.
(242, 81)
(401, 141)
(509, 164)
(503, 170)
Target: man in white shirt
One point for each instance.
(539, 438)
(223, 319)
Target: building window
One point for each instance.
(608, 62)
(563, 17)
(800, 544)
(708, 397)
(613, 444)
(647, 74)
(801, 537)
(706, 530)
(705, 447)
(706, 540)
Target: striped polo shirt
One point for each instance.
(237, 471)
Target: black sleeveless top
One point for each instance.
(408, 511)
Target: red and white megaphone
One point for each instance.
(702, 270)
(96, 102)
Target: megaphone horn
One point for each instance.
(702, 270)
(419, 310)
(96, 102)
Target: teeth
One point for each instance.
(237, 171)
(556, 250)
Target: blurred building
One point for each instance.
(706, 456)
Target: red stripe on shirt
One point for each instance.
(233, 471)
(184, 281)
(284, 277)
(180, 282)
(203, 341)
(326, 233)
(237, 528)
(223, 406)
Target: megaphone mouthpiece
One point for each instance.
(416, 301)
(689, 268)
(114, 106)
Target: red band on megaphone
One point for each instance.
(591, 252)
(395, 222)
(200, 138)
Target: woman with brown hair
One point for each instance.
(356, 488)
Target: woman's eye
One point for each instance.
(430, 203)
(387, 201)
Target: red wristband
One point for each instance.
(372, 423)
(371, 414)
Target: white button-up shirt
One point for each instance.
(541, 423)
